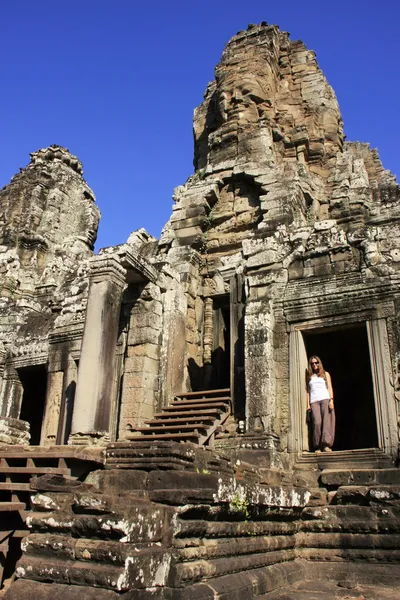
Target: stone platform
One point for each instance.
(172, 521)
(323, 590)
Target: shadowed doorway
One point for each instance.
(34, 383)
(345, 355)
(220, 360)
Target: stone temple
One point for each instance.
(153, 435)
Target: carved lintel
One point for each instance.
(107, 267)
(132, 261)
(67, 333)
(29, 360)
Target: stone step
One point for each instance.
(17, 487)
(12, 506)
(331, 540)
(349, 588)
(33, 470)
(207, 549)
(189, 413)
(167, 454)
(335, 478)
(360, 494)
(201, 401)
(104, 564)
(188, 420)
(365, 458)
(204, 393)
(193, 571)
(165, 436)
(223, 529)
(167, 427)
(104, 527)
(195, 406)
(102, 551)
(351, 518)
(73, 572)
(354, 555)
(81, 453)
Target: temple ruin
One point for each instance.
(153, 435)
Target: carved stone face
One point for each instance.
(244, 98)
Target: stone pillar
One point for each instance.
(208, 340)
(260, 365)
(140, 382)
(11, 394)
(173, 344)
(92, 407)
(52, 411)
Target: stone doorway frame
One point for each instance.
(385, 406)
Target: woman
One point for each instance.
(320, 402)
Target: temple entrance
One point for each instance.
(220, 358)
(34, 383)
(345, 355)
(227, 360)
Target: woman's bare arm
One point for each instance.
(330, 389)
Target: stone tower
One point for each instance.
(302, 222)
(48, 226)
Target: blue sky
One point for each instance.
(116, 83)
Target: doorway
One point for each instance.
(220, 357)
(34, 383)
(345, 354)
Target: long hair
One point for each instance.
(310, 372)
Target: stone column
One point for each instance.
(51, 414)
(260, 368)
(208, 341)
(11, 394)
(92, 407)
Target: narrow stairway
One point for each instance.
(191, 417)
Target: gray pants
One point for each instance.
(323, 424)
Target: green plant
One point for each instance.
(240, 505)
(201, 174)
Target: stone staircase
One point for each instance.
(191, 417)
(20, 466)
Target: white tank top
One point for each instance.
(318, 389)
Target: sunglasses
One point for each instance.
(315, 362)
